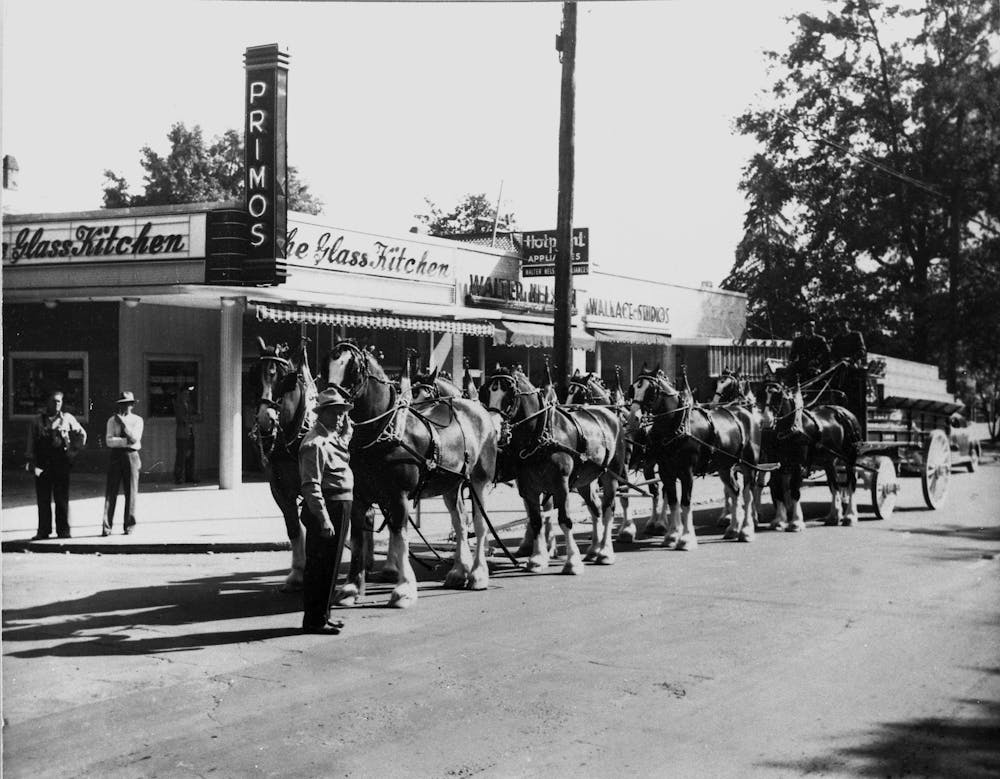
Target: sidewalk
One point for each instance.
(203, 518)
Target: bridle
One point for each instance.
(361, 367)
(587, 388)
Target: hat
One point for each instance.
(330, 397)
(126, 397)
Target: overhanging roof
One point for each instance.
(376, 321)
(539, 336)
(630, 337)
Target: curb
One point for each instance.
(49, 547)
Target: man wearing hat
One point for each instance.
(124, 440)
(327, 490)
(848, 348)
(810, 355)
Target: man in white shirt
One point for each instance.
(124, 440)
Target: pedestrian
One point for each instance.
(184, 437)
(123, 437)
(809, 357)
(327, 488)
(54, 440)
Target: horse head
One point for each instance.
(782, 407)
(427, 386)
(588, 389)
(358, 376)
(652, 392)
(286, 386)
(511, 394)
(728, 388)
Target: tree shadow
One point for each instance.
(928, 746)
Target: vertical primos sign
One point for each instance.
(266, 162)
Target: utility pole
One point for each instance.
(562, 336)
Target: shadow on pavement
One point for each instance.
(920, 747)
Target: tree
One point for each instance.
(881, 134)
(473, 214)
(196, 172)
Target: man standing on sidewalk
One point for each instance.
(53, 442)
(327, 494)
(184, 419)
(124, 440)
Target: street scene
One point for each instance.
(500, 389)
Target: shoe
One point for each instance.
(129, 529)
(65, 535)
(39, 537)
(106, 531)
(326, 629)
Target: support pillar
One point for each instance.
(230, 391)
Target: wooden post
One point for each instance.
(562, 336)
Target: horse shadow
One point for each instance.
(116, 615)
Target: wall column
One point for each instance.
(230, 391)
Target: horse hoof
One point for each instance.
(729, 535)
(779, 526)
(590, 557)
(478, 580)
(687, 545)
(745, 537)
(605, 559)
(346, 596)
(795, 528)
(536, 564)
(849, 521)
(455, 580)
(573, 567)
(402, 599)
(669, 542)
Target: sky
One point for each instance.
(392, 103)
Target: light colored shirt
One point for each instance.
(124, 431)
(324, 468)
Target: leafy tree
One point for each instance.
(881, 148)
(196, 172)
(473, 214)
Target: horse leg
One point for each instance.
(606, 548)
(793, 503)
(657, 523)
(354, 587)
(689, 539)
(285, 490)
(670, 506)
(627, 532)
(833, 515)
(479, 576)
(458, 576)
(539, 559)
(778, 491)
(731, 490)
(850, 509)
(404, 594)
(527, 545)
(751, 493)
(574, 561)
(586, 492)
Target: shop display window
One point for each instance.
(34, 375)
(165, 379)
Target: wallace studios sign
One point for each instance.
(540, 252)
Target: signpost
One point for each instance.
(541, 248)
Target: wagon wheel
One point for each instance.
(937, 469)
(885, 487)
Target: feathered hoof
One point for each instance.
(849, 521)
(794, 527)
(605, 559)
(573, 567)
(346, 596)
(626, 537)
(403, 597)
(669, 542)
(293, 582)
(456, 579)
(779, 526)
(687, 544)
(744, 537)
(536, 564)
(590, 556)
(479, 579)
(729, 535)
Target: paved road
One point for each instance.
(865, 651)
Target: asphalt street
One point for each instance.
(841, 651)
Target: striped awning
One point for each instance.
(539, 336)
(274, 312)
(630, 337)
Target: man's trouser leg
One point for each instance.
(60, 496)
(43, 494)
(321, 562)
(130, 476)
(111, 488)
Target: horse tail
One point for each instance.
(852, 427)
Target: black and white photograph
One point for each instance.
(502, 389)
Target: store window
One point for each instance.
(35, 375)
(166, 378)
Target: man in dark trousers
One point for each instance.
(123, 436)
(327, 493)
(184, 437)
(848, 349)
(53, 442)
(810, 355)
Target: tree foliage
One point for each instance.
(876, 191)
(473, 214)
(196, 171)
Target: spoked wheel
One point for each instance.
(885, 487)
(937, 469)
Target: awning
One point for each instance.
(630, 337)
(540, 336)
(325, 316)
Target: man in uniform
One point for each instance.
(327, 494)
(810, 355)
(849, 350)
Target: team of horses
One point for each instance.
(429, 437)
